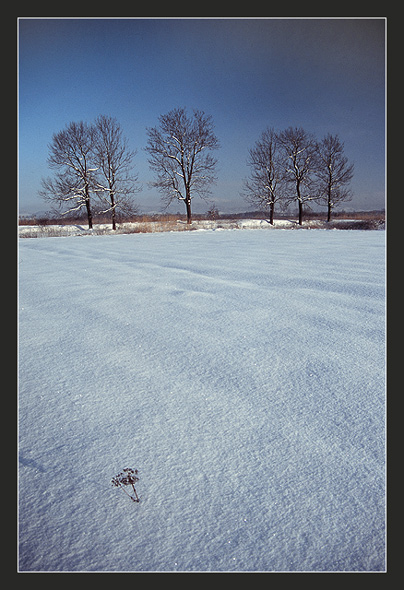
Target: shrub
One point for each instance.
(127, 477)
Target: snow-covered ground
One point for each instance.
(242, 374)
(44, 231)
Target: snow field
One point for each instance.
(242, 373)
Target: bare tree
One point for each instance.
(116, 183)
(265, 185)
(70, 155)
(333, 172)
(179, 150)
(299, 149)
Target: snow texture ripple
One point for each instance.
(242, 373)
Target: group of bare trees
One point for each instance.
(91, 162)
(292, 166)
(94, 162)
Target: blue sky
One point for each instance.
(326, 75)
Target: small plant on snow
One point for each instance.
(126, 478)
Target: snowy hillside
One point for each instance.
(242, 374)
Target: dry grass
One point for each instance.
(33, 230)
(55, 227)
(353, 223)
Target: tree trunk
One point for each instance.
(188, 206)
(88, 207)
(300, 202)
(329, 207)
(271, 213)
(300, 213)
(111, 195)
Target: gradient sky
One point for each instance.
(326, 75)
